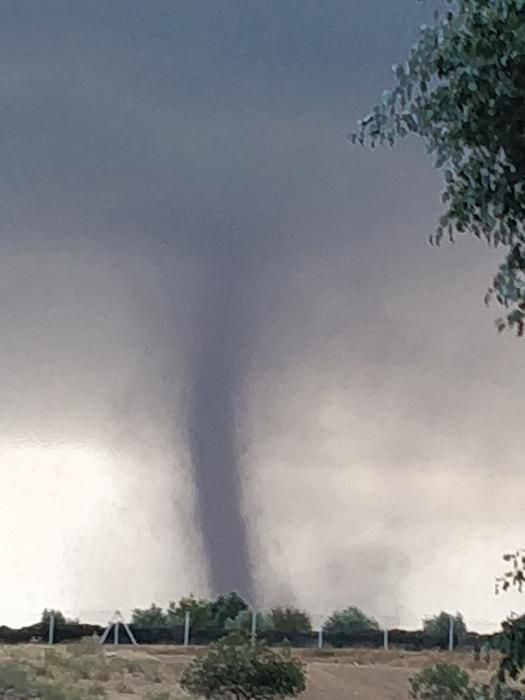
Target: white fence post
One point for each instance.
(385, 639)
(451, 634)
(254, 627)
(186, 628)
(51, 637)
(116, 633)
(320, 635)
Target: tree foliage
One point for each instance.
(204, 613)
(348, 621)
(439, 625)
(512, 637)
(289, 620)
(442, 682)
(58, 617)
(227, 607)
(286, 620)
(200, 610)
(243, 671)
(512, 648)
(153, 616)
(462, 90)
(450, 682)
(515, 577)
(243, 622)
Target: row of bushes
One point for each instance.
(408, 640)
(213, 620)
(230, 613)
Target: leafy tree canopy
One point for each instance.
(243, 622)
(153, 616)
(239, 670)
(442, 682)
(515, 576)
(512, 637)
(58, 616)
(227, 607)
(349, 620)
(462, 90)
(59, 619)
(200, 610)
(439, 625)
(204, 614)
(289, 620)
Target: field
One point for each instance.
(151, 673)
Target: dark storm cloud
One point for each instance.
(195, 250)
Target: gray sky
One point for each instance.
(200, 278)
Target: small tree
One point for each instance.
(238, 670)
(243, 622)
(442, 682)
(349, 621)
(200, 610)
(289, 620)
(226, 607)
(153, 616)
(59, 618)
(439, 626)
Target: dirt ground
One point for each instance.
(151, 673)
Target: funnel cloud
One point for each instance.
(218, 372)
(226, 323)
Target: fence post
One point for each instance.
(320, 636)
(186, 628)
(51, 637)
(116, 633)
(385, 639)
(451, 634)
(254, 627)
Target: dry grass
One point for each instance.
(87, 671)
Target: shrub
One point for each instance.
(348, 621)
(289, 620)
(17, 683)
(150, 617)
(227, 607)
(442, 682)
(242, 671)
(496, 690)
(243, 622)
(60, 619)
(13, 677)
(439, 626)
(200, 610)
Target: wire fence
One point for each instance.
(117, 631)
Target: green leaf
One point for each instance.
(462, 92)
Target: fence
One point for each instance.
(117, 631)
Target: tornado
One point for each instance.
(219, 370)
